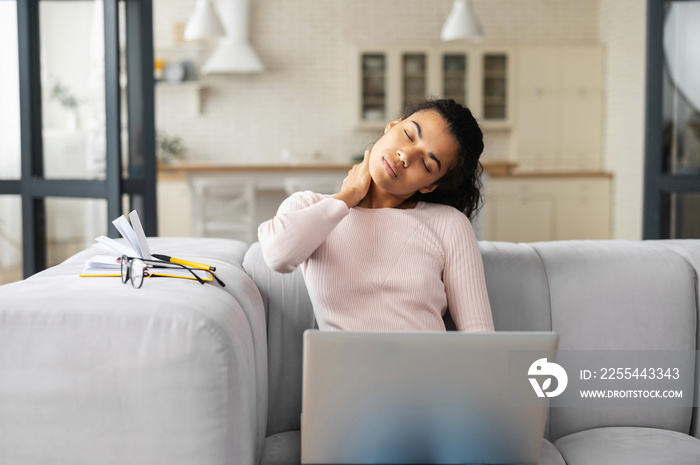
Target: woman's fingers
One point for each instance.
(356, 183)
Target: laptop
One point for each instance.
(423, 397)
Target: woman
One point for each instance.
(394, 249)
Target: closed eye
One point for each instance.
(426, 167)
(409, 137)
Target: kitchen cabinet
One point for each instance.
(391, 77)
(174, 206)
(561, 207)
(214, 200)
(559, 115)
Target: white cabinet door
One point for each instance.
(560, 107)
(582, 209)
(521, 218)
(416, 73)
(581, 67)
(174, 207)
(536, 122)
(537, 68)
(579, 117)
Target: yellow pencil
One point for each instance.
(199, 266)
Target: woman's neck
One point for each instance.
(378, 198)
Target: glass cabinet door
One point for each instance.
(414, 72)
(454, 77)
(495, 86)
(374, 77)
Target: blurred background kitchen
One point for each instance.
(291, 91)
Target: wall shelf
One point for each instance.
(195, 88)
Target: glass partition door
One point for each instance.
(672, 175)
(86, 122)
(10, 154)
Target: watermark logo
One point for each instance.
(543, 367)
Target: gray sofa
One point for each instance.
(92, 371)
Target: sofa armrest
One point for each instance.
(94, 371)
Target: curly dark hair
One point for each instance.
(461, 186)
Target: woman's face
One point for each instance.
(413, 154)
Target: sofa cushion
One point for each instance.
(550, 454)
(629, 445)
(288, 313)
(282, 449)
(619, 295)
(517, 287)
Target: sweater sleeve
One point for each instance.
(464, 279)
(303, 222)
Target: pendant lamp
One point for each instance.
(462, 23)
(234, 53)
(204, 22)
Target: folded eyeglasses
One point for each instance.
(135, 269)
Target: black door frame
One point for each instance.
(140, 185)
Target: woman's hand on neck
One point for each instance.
(356, 184)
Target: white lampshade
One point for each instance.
(204, 22)
(462, 23)
(234, 54)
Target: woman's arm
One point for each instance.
(303, 222)
(464, 279)
(305, 219)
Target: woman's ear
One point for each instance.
(428, 189)
(391, 125)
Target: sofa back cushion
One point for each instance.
(517, 287)
(690, 251)
(619, 295)
(288, 313)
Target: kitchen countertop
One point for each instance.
(495, 169)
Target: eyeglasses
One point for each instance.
(135, 269)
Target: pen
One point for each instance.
(199, 266)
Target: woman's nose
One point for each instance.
(406, 155)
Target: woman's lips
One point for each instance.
(390, 170)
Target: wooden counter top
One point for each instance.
(553, 174)
(206, 167)
(495, 169)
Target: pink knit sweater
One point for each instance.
(380, 269)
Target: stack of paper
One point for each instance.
(109, 265)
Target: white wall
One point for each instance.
(302, 102)
(623, 33)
